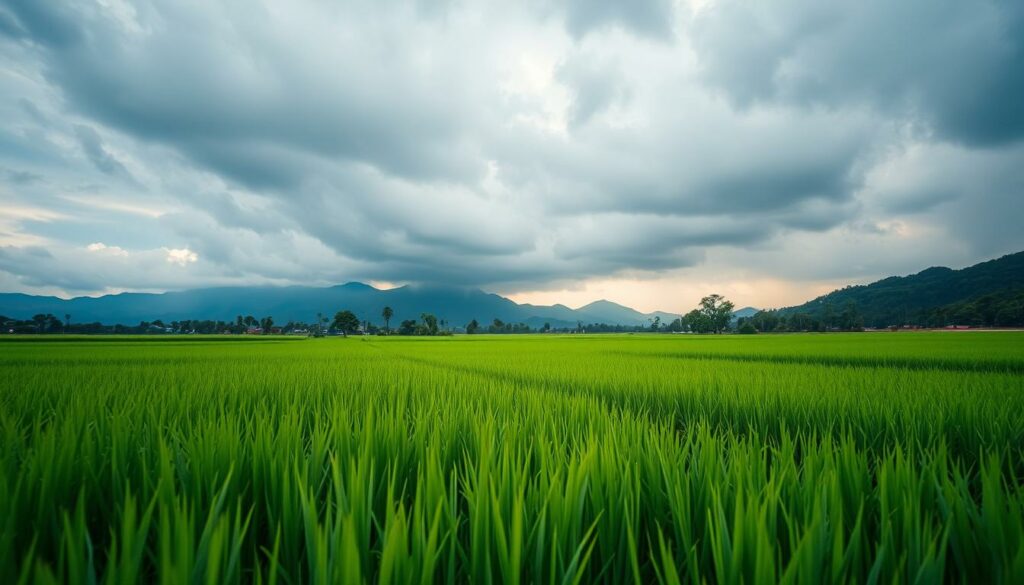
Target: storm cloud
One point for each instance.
(156, 145)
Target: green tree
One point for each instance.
(801, 322)
(717, 311)
(697, 322)
(429, 323)
(850, 319)
(473, 327)
(387, 313)
(346, 322)
(829, 315)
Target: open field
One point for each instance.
(754, 459)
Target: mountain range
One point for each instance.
(893, 300)
(458, 306)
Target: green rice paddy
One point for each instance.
(674, 459)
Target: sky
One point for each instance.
(647, 152)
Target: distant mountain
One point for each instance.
(456, 305)
(899, 300)
(609, 312)
(745, 312)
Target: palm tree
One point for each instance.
(387, 313)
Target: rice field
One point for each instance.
(882, 458)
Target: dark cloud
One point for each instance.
(235, 94)
(22, 177)
(977, 197)
(92, 146)
(33, 112)
(950, 66)
(50, 23)
(652, 18)
(595, 86)
(489, 143)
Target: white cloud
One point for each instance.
(101, 248)
(181, 256)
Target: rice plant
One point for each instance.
(541, 459)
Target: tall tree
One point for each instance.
(387, 313)
(712, 315)
(430, 322)
(473, 327)
(346, 322)
(717, 310)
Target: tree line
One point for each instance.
(848, 318)
(1000, 309)
(48, 324)
(713, 314)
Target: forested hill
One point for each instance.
(928, 297)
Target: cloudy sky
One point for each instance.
(647, 151)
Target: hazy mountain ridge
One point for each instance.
(455, 305)
(892, 300)
(745, 312)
